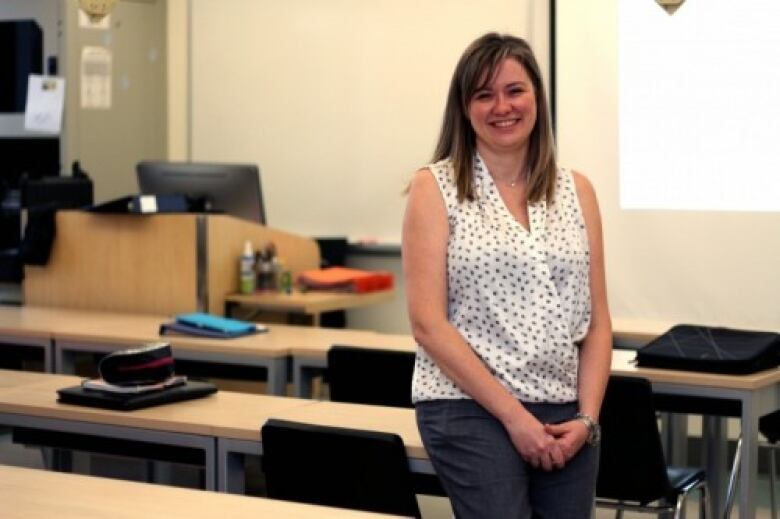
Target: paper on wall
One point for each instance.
(96, 77)
(45, 101)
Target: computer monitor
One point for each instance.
(232, 189)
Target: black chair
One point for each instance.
(337, 467)
(377, 377)
(633, 474)
(370, 376)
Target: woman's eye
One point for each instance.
(482, 96)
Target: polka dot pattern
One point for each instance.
(519, 297)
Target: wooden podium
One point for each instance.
(155, 264)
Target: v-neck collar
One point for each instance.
(537, 211)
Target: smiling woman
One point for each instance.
(507, 300)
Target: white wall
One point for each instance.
(338, 102)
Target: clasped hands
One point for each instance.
(548, 446)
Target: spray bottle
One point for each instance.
(247, 270)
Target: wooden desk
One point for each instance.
(30, 400)
(232, 445)
(226, 425)
(26, 331)
(39, 494)
(72, 331)
(311, 303)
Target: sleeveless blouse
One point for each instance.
(520, 298)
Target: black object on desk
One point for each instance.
(713, 350)
(78, 395)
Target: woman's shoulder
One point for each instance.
(582, 184)
(442, 170)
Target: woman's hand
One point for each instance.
(535, 445)
(570, 436)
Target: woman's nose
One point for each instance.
(502, 104)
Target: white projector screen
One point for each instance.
(699, 107)
(674, 266)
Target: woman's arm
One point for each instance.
(424, 248)
(596, 349)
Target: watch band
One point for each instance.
(593, 428)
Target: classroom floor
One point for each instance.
(431, 507)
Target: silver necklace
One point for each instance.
(513, 183)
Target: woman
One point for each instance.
(504, 270)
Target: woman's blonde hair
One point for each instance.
(457, 140)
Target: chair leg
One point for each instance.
(772, 472)
(704, 502)
(731, 492)
(679, 509)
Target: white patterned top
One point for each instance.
(520, 298)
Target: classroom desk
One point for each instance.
(30, 400)
(39, 494)
(67, 332)
(758, 394)
(236, 442)
(21, 330)
(226, 425)
(312, 302)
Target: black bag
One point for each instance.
(715, 350)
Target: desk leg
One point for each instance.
(304, 370)
(230, 463)
(48, 358)
(748, 474)
(277, 376)
(63, 361)
(714, 448)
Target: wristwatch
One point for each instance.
(594, 429)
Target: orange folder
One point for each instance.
(346, 279)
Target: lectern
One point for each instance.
(157, 264)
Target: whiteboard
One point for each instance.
(337, 101)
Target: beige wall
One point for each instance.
(109, 143)
(177, 39)
(338, 102)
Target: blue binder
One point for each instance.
(207, 325)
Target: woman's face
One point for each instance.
(503, 113)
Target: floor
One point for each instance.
(432, 507)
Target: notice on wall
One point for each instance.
(96, 78)
(45, 101)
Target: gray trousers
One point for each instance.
(484, 475)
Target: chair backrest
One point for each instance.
(370, 376)
(632, 466)
(339, 467)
